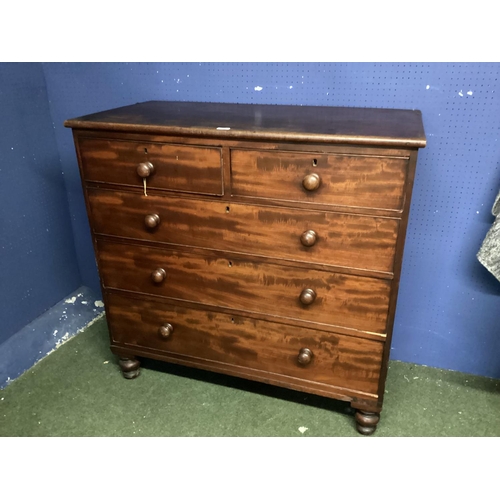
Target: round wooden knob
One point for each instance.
(305, 356)
(158, 275)
(152, 220)
(308, 238)
(311, 182)
(307, 296)
(166, 330)
(145, 169)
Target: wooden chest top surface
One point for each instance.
(363, 126)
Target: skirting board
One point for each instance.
(47, 332)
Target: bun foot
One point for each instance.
(366, 422)
(130, 367)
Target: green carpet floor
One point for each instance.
(78, 390)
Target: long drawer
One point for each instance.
(348, 180)
(320, 297)
(190, 169)
(360, 242)
(336, 360)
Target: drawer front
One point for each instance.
(360, 242)
(348, 180)
(189, 169)
(347, 301)
(336, 360)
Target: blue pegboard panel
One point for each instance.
(38, 263)
(448, 305)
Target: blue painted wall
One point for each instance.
(448, 311)
(38, 263)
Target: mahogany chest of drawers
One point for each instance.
(260, 241)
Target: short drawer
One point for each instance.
(355, 241)
(190, 169)
(331, 179)
(336, 360)
(321, 297)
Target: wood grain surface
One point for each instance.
(349, 180)
(337, 360)
(182, 168)
(359, 242)
(347, 301)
